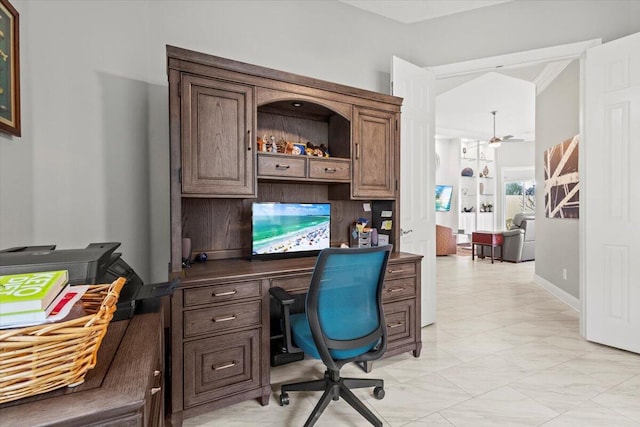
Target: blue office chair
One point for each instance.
(343, 322)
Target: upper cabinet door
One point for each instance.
(374, 162)
(218, 120)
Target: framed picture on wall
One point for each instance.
(9, 69)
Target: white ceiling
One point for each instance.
(464, 103)
(465, 110)
(411, 11)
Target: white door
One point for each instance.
(610, 195)
(417, 180)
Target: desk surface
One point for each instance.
(231, 269)
(113, 388)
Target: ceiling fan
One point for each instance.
(495, 142)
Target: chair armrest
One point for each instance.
(514, 232)
(281, 295)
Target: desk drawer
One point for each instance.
(221, 293)
(330, 170)
(221, 318)
(221, 366)
(293, 284)
(281, 166)
(399, 288)
(403, 269)
(400, 319)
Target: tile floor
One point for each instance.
(503, 352)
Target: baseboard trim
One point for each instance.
(561, 294)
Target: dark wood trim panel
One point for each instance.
(180, 57)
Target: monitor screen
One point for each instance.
(443, 198)
(289, 229)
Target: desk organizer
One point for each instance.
(38, 359)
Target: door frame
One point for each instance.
(530, 57)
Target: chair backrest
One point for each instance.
(344, 303)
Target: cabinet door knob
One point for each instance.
(156, 373)
(154, 390)
(330, 170)
(249, 141)
(398, 289)
(394, 325)
(282, 167)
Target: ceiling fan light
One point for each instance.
(494, 143)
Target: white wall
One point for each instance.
(447, 174)
(557, 240)
(92, 164)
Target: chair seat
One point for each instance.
(301, 332)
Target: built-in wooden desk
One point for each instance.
(124, 389)
(220, 326)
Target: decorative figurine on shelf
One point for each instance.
(288, 149)
(467, 172)
(464, 152)
(273, 147)
(485, 171)
(265, 143)
(482, 157)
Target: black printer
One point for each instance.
(97, 263)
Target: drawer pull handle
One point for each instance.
(394, 325)
(224, 294)
(227, 366)
(225, 319)
(156, 373)
(282, 167)
(394, 271)
(330, 170)
(398, 289)
(154, 390)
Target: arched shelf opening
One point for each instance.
(305, 123)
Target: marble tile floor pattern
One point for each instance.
(503, 352)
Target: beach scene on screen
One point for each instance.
(291, 227)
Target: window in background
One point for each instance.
(520, 197)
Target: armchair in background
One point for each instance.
(519, 241)
(445, 241)
(343, 322)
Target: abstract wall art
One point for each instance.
(561, 180)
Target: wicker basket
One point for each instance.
(38, 359)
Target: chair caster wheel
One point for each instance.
(378, 393)
(284, 399)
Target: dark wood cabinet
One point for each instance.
(217, 138)
(220, 314)
(221, 326)
(125, 388)
(374, 145)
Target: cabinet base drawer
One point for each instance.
(220, 366)
(400, 319)
(399, 288)
(221, 293)
(221, 318)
